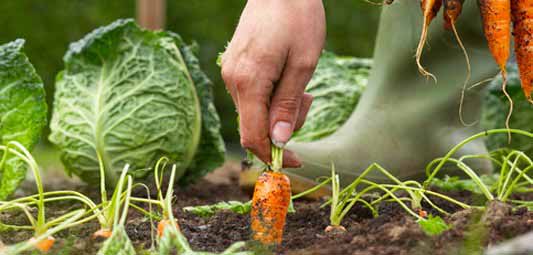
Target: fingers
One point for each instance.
(307, 99)
(253, 95)
(227, 76)
(287, 99)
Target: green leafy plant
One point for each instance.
(433, 225)
(30, 244)
(110, 212)
(119, 243)
(131, 96)
(512, 177)
(210, 210)
(23, 111)
(343, 200)
(43, 229)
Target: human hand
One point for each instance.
(268, 63)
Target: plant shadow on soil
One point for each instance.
(392, 232)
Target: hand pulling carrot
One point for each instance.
(522, 13)
(430, 8)
(272, 196)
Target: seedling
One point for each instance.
(513, 169)
(119, 242)
(42, 239)
(343, 200)
(110, 208)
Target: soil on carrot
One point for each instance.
(392, 232)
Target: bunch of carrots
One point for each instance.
(497, 15)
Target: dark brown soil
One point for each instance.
(392, 232)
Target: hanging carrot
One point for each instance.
(452, 10)
(522, 13)
(430, 8)
(272, 196)
(496, 15)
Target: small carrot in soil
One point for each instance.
(496, 15)
(164, 224)
(522, 15)
(102, 233)
(430, 8)
(272, 196)
(422, 213)
(44, 245)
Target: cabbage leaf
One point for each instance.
(336, 86)
(129, 95)
(23, 111)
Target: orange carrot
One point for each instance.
(272, 196)
(452, 10)
(44, 245)
(430, 8)
(496, 15)
(422, 213)
(102, 233)
(162, 225)
(522, 13)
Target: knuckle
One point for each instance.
(249, 143)
(286, 106)
(305, 65)
(227, 74)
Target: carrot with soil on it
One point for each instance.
(430, 8)
(271, 199)
(522, 16)
(496, 15)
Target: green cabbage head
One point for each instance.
(129, 95)
(23, 111)
(336, 86)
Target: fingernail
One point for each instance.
(281, 133)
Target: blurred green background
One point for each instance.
(49, 26)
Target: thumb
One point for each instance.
(286, 102)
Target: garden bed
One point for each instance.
(392, 232)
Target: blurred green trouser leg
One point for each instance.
(404, 120)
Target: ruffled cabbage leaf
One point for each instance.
(23, 111)
(496, 107)
(336, 86)
(132, 96)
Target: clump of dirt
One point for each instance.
(392, 232)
